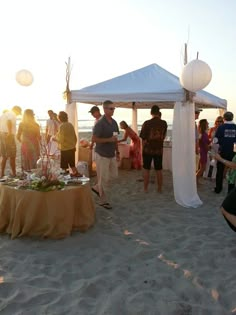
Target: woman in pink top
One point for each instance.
(135, 145)
(203, 146)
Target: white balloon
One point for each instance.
(24, 77)
(196, 75)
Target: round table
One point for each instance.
(54, 214)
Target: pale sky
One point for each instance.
(107, 38)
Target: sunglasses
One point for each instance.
(111, 108)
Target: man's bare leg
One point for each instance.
(159, 177)
(146, 175)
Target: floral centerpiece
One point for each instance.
(47, 176)
(42, 184)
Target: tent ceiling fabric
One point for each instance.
(146, 86)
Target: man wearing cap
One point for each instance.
(153, 133)
(95, 112)
(7, 140)
(105, 134)
(225, 136)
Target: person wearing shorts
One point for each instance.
(107, 153)
(153, 133)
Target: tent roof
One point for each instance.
(146, 86)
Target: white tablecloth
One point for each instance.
(124, 150)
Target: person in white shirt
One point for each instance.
(7, 139)
(52, 126)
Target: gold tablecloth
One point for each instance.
(53, 214)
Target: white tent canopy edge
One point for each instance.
(144, 87)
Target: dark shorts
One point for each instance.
(157, 161)
(229, 204)
(67, 157)
(7, 145)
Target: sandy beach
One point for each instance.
(146, 256)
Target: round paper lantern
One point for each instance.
(24, 77)
(195, 75)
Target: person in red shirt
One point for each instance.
(135, 145)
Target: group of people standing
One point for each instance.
(145, 149)
(33, 142)
(60, 133)
(221, 138)
(220, 142)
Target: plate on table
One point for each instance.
(11, 183)
(84, 179)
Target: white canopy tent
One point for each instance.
(154, 85)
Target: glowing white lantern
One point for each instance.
(24, 77)
(195, 75)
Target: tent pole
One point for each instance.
(67, 91)
(187, 94)
(185, 54)
(134, 118)
(71, 108)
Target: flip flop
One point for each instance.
(95, 191)
(106, 205)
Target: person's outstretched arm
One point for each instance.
(227, 163)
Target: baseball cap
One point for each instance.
(94, 109)
(197, 109)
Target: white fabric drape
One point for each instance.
(71, 110)
(183, 156)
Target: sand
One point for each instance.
(146, 256)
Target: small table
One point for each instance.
(124, 150)
(54, 214)
(167, 158)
